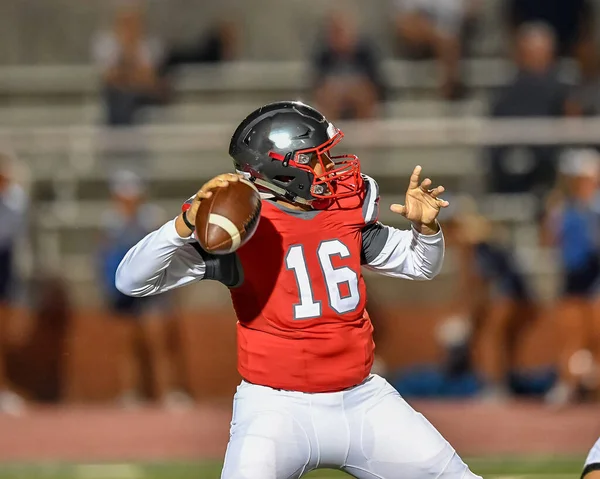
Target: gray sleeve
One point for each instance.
(374, 238)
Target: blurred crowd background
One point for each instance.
(113, 113)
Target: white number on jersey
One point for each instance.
(308, 308)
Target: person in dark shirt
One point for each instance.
(535, 91)
(347, 79)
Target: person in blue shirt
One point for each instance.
(573, 226)
(144, 320)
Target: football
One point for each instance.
(229, 218)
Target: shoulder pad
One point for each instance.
(370, 207)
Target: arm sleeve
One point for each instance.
(592, 463)
(160, 262)
(402, 254)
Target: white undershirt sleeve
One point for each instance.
(410, 255)
(161, 261)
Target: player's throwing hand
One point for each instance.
(220, 181)
(422, 204)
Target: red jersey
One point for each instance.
(302, 323)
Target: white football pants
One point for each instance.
(369, 431)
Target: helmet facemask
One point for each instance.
(337, 176)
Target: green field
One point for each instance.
(564, 468)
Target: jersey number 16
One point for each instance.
(308, 307)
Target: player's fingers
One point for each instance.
(443, 203)
(217, 182)
(426, 184)
(414, 178)
(227, 177)
(400, 209)
(223, 180)
(435, 192)
(203, 195)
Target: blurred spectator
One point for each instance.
(13, 208)
(220, 44)
(145, 321)
(573, 223)
(347, 83)
(493, 305)
(493, 293)
(535, 91)
(437, 28)
(571, 20)
(128, 60)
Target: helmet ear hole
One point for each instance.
(283, 179)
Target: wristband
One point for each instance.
(186, 221)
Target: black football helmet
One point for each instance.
(279, 144)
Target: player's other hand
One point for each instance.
(220, 181)
(422, 204)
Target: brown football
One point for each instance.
(229, 218)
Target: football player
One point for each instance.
(308, 399)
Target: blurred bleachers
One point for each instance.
(50, 116)
(71, 161)
(29, 35)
